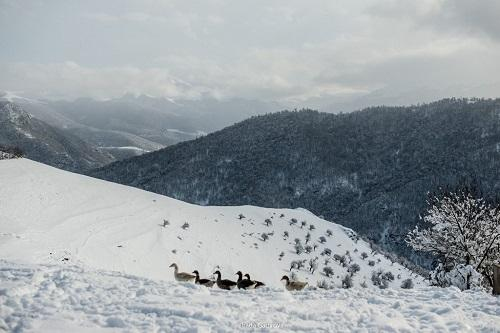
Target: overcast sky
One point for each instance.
(287, 51)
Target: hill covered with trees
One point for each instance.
(369, 170)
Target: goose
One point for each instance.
(203, 282)
(257, 283)
(182, 277)
(244, 284)
(293, 285)
(224, 284)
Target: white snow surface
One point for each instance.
(55, 298)
(82, 254)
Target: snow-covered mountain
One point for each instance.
(53, 216)
(131, 125)
(42, 142)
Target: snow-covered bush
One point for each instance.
(268, 222)
(299, 249)
(264, 236)
(381, 279)
(308, 237)
(363, 284)
(312, 227)
(353, 269)
(465, 231)
(322, 240)
(388, 276)
(461, 276)
(328, 271)
(292, 221)
(303, 224)
(347, 281)
(185, 225)
(10, 152)
(323, 284)
(308, 248)
(285, 234)
(313, 265)
(364, 255)
(407, 284)
(326, 252)
(329, 233)
(371, 263)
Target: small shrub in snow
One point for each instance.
(293, 221)
(241, 216)
(354, 268)
(322, 240)
(303, 224)
(174, 251)
(341, 259)
(165, 223)
(371, 263)
(282, 254)
(329, 233)
(308, 248)
(285, 235)
(347, 281)
(363, 284)
(308, 237)
(297, 241)
(297, 264)
(264, 236)
(407, 284)
(323, 284)
(326, 252)
(328, 271)
(313, 265)
(185, 225)
(283, 215)
(299, 249)
(388, 276)
(364, 255)
(268, 222)
(381, 279)
(312, 227)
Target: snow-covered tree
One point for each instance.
(464, 230)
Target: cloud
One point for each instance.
(290, 51)
(443, 16)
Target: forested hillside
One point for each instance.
(369, 170)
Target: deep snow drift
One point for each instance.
(81, 254)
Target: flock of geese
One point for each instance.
(226, 284)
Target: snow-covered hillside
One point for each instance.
(84, 255)
(52, 216)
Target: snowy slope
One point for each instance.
(44, 298)
(56, 217)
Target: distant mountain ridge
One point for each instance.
(44, 143)
(131, 125)
(369, 170)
